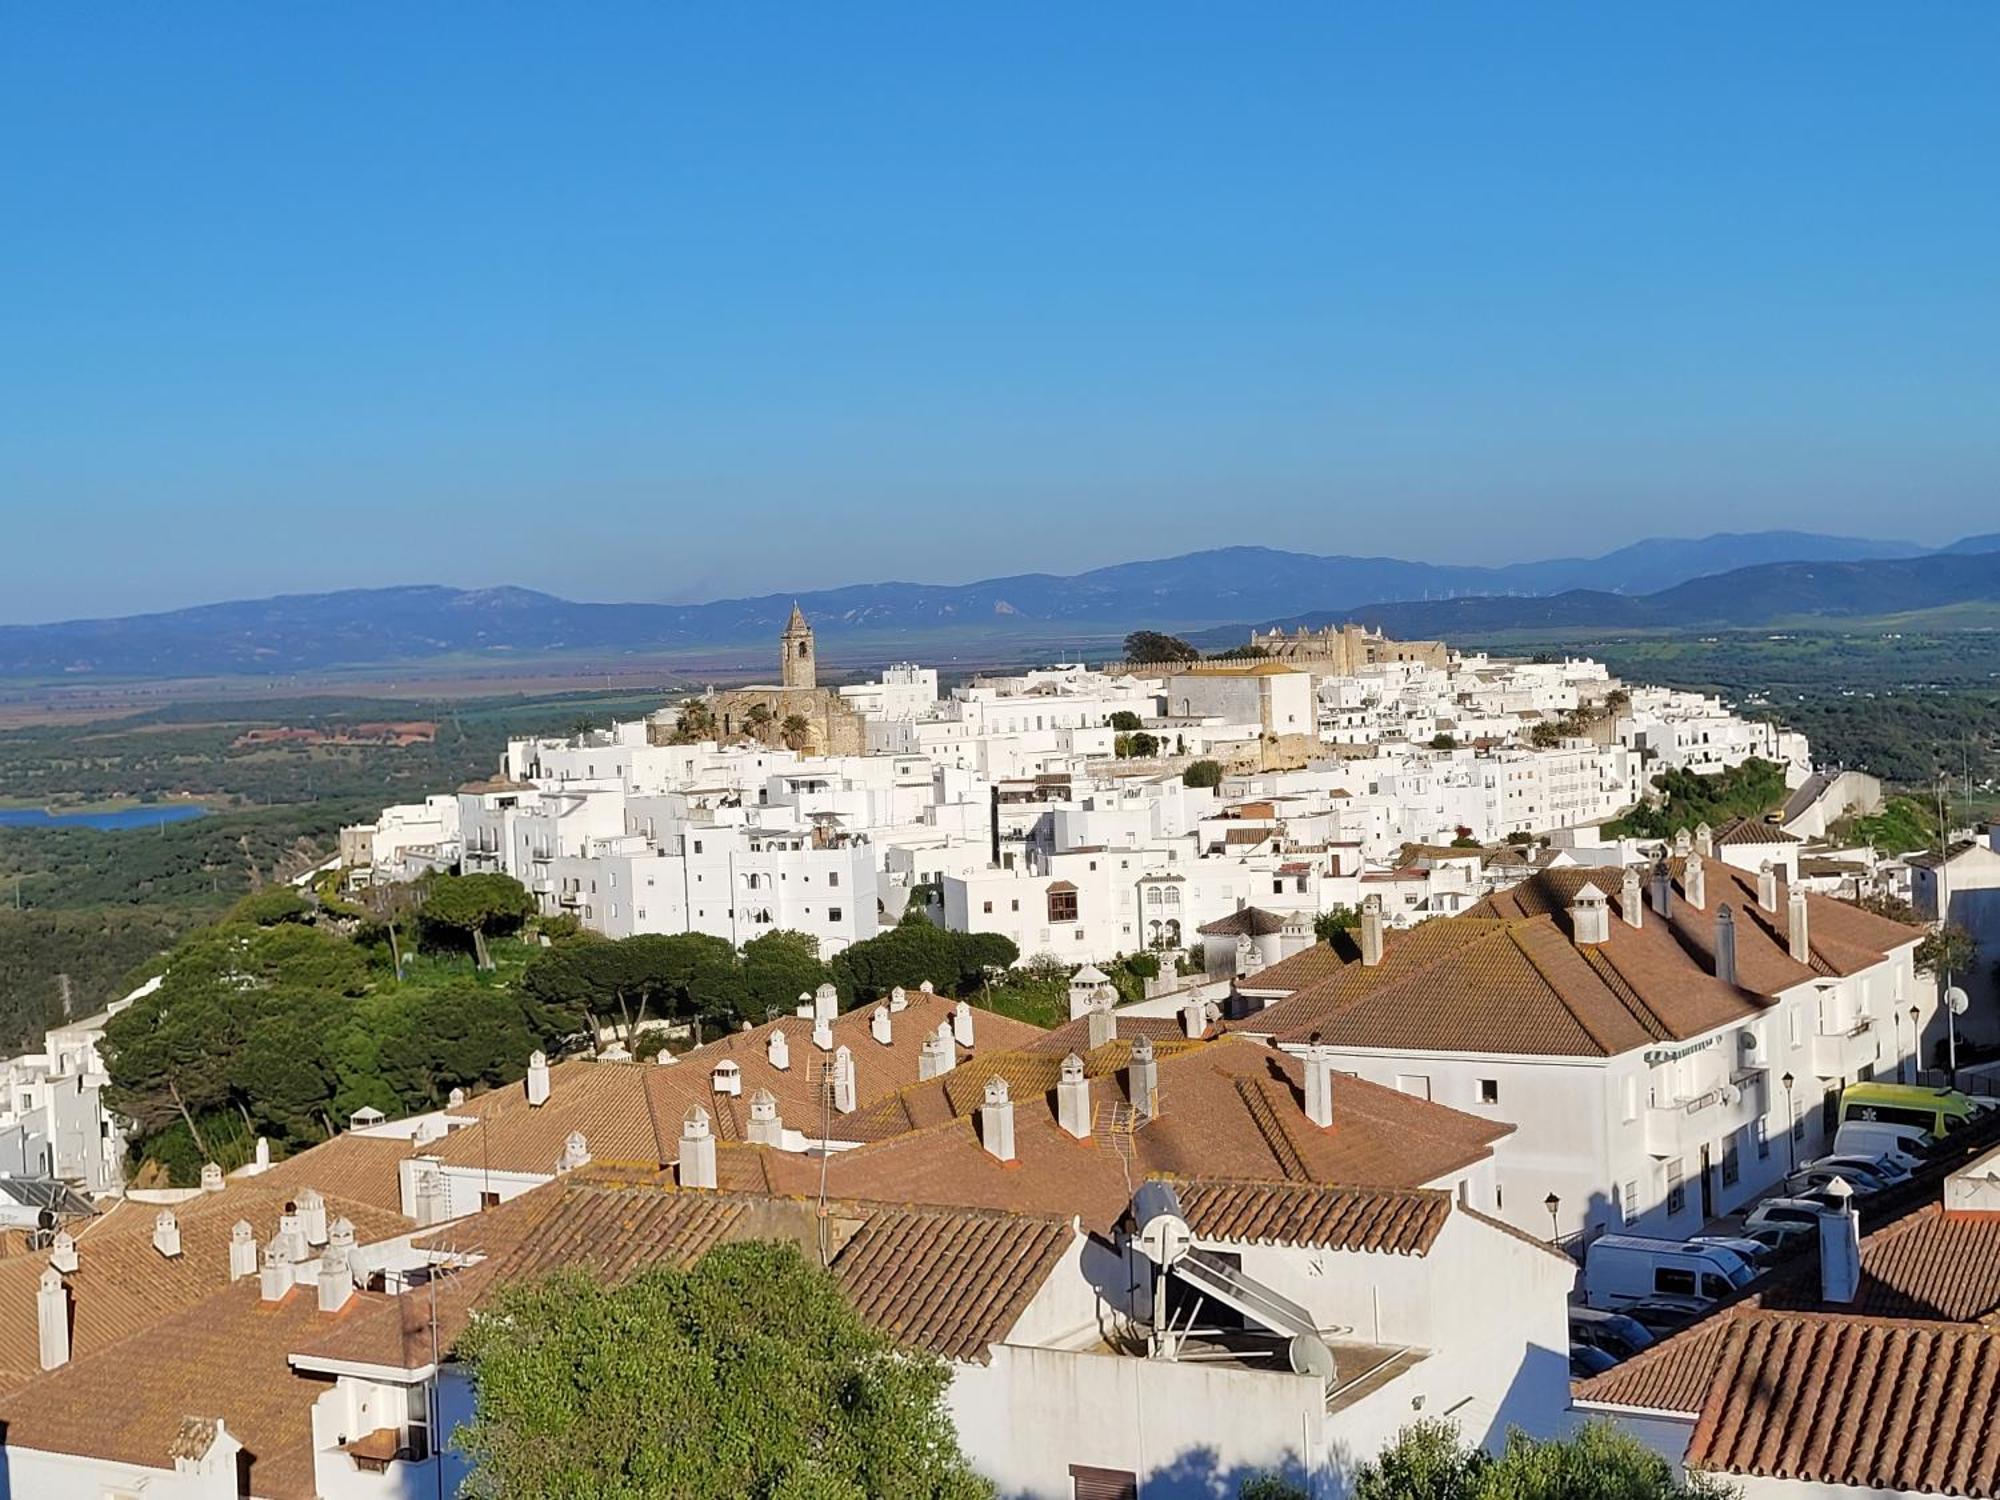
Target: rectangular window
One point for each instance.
(1829, 1112)
(697, 846)
(1062, 906)
(833, 878)
(1673, 1281)
(989, 908)
(1677, 1195)
(833, 914)
(1732, 1164)
(1489, 1091)
(1631, 1203)
(1417, 1085)
(1762, 1135)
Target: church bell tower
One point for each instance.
(796, 667)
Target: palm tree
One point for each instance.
(695, 721)
(797, 730)
(757, 722)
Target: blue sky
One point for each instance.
(672, 302)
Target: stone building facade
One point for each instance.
(831, 726)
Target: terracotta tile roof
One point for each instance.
(1932, 1265)
(122, 1285)
(1674, 1375)
(1287, 976)
(1871, 1402)
(1208, 1127)
(223, 1356)
(1753, 831)
(632, 1112)
(353, 1168)
(1253, 920)
(1385, 1220)
(1074, 1036)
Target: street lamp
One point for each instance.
(1791, 1124)
(1552, 1203)
(1916, 1049)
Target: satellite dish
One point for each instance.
(1310, 1356)
(1956, 1000)
(1166, 1238)
(1730, 1093)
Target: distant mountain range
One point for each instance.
(1663, 580)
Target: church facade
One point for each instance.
(797, 711)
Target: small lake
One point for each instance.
(150, 816)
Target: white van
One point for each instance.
(1620, 1269)
(1905, 1145)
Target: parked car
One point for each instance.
(1783, 1236)
(1804, 1211)
(1756, 1252)
(1665, 1315)
(1585, 1360)
(1617, 1335)
(1937, 1111)
(1810, 1180)
(1878, 1166)
(1908, 1146)
(1621, 1268)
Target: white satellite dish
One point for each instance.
(1310, 1356)
(1956, 1000)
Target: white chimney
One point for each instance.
(1839, 1246)
(538, 1079)
(996, 1121)
(575, 1153)
(697, 1163)
(726, 1078)
(1590, 916)
(823, 1033)
(242, 1251)
(264, 1148)
(62, 1255)
(1103, 1022)
(52, 1319)
(433, 1199)
(1682, 845)
(1629, 904)
(1694, 883)
(1795, 921)
(1725, 944)
(455, 1099)
(843, 1080)
(211, 1178)
(1767, 886)
(805, 1010)
(1371, 931)
(336, 1279)
(778, 1050)
(1663, 888)
(340, 1234)
(898, 999)
(312, 1216)
(766, 1129)
(1319, 1085)
(1073, 1098)
(826, 1003)
(1248, 959)
(1142, 1078)
(934, 1058)
(167, 1234)
(880, 1027)
(926, 988)
(665, 1058)
(1194, 1018)
(1704, 841)
(276, 1277)
(961, 1024)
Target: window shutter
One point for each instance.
(1087, 1483)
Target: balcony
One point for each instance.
(1683, 1127)
(1840, 1055)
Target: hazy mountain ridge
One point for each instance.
(307, 632)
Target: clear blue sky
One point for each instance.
(680, 301)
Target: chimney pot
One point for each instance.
(1073, 1098)
(538, 1079)
(898, 999)
(1725, 944)
(1796, 923)
(823, 1033)
(1767, 886)
(455, 1099)
(880, 1026)
(1103, 1022)
(275, 1279)
(575, 1153)
(1590, 916)
(1663, 888)
(1694, 882)
(264, 1152)
(1629, 904)
(1704, 841)
(1840, 1247)
(312, 1216)
(242, 1251)
(778, 1050)
(826, 1003)
(52, 1319)
(697, 1160)
(1143, 1079)
(62, 1254)
(961, 1024)
(211, 1178)
(843, 1079)
(996, 1120)
(1371, 931)
(766, 1129)
(726, 1078)
(336, 1280)
(1319, 1085)
(167, 1234)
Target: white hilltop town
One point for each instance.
(1444, 1102)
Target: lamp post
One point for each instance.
(1916, 1048)
(1553, 1204)
(1791, 1124)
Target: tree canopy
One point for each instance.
(1203, 773)
(468, 909)
(1431, 1461)
(748, 1374)
(910, 955)
(1688, 799)
(1152, 646)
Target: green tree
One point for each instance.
(1150, 646)
(778, 967)
(1203, 773)
(464, 910)
(796, 731)
(1443, 741)
(747, 1375)
(1431, 1461)
(1947, 949)
(268, 907)
(1335, 919)
(694, 721)
(1546, 734)
(1144, 746)
(1125, 721)
(757, 722)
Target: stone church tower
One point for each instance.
(796, 666)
